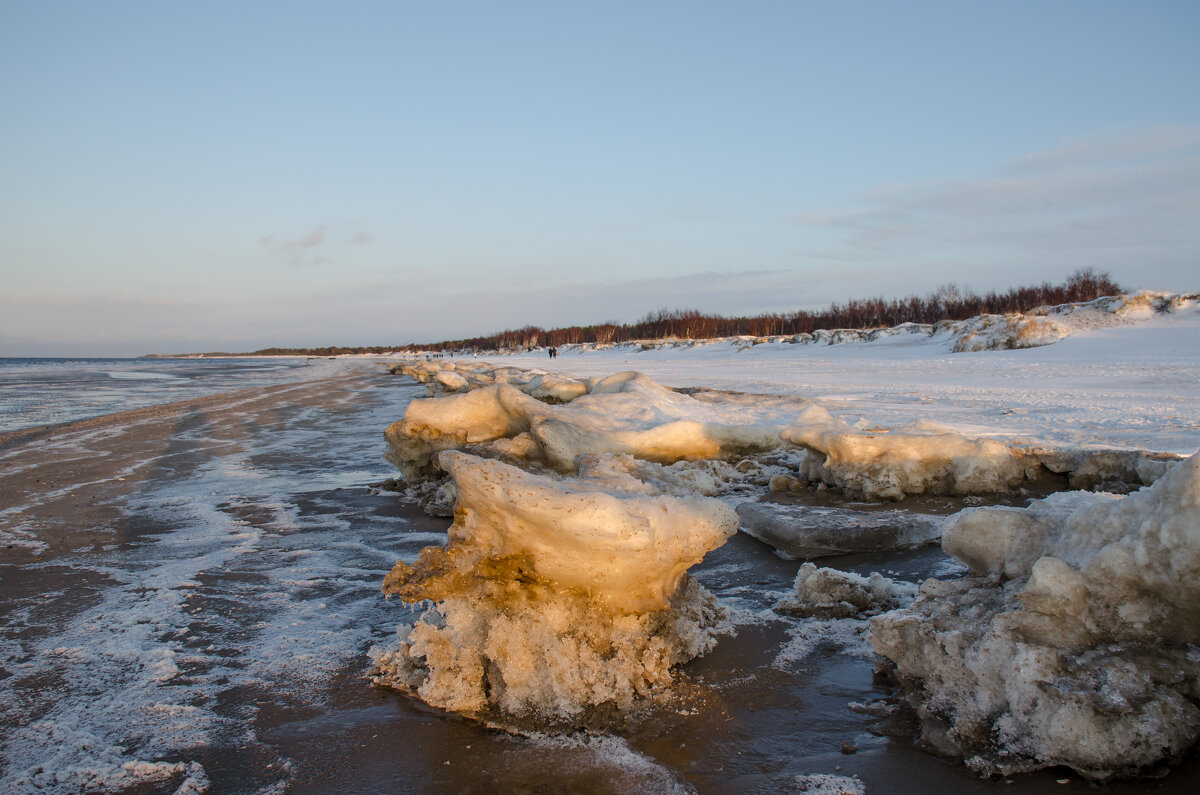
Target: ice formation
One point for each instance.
(434, 424)
(1077, 640)
(892, 465)
(800, 532)
(552, 597)
(1105, 470)
(831, 593)
(625, 413)
(1003, 332)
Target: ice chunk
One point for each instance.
(1105, 470)
(1077, 644)
(620, 472)
(433, 424)
(800, 532)
(625, 413)
(551, 597)
(831, 593)
(451, 381)
(564, 438)
(899, 463)
(553, 389)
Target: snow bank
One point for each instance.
(894, 464)
(831, 593)
(625, 413)
(1077, 642)
(552, 597)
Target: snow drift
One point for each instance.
(1077, 640)
(552, 597)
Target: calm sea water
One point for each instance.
(44, 391)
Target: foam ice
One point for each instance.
(552, 597)
(892, 465)
(627, 413)
(829, 784)
(108, 769)
(1077, 640)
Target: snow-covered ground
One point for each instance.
(1130, 384)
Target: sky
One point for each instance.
(181, 177)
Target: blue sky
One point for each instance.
(230, 176)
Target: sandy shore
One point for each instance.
(61, 482)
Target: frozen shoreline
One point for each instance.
(1134, 386)
(626, 433)
(214, 566)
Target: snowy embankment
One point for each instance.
(1070, 644)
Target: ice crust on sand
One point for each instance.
(552, 597)
(1077, 640)
(626, 413)
(892, 465)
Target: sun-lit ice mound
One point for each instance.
(445, 375)
(625, 413)
(434, 424)
(895, 464)
(551, 388)
(1004, 332)
(1077, 640)
(832, 593)
(552, 597)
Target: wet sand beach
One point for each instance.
(188, 593)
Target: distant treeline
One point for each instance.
(948, 302)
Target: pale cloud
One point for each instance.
(315, 247)
(313, 239)
(1125, 203)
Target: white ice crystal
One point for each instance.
(1077, 642)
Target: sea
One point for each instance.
(47, 391)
